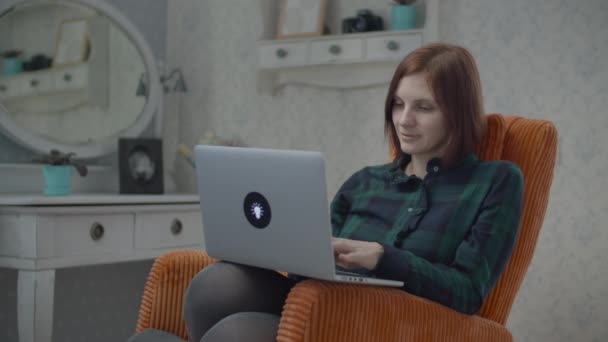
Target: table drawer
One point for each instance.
(168, 229)
(278, 55)
(328, 51)
(71, 78)
(12, 87)
(392, 47)
(90, 234)
(37, 83)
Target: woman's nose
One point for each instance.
(406, 117)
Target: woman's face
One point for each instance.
(421, 127)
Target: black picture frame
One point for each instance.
(140, 164)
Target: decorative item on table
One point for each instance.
(186, 153)
(57, 172)
(174, 82)
(140, 164)
(12, 63)
(364, 21)
(301, 18)
(403, 15)
(37, 62)
(209, 139)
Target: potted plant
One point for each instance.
(11, 63)
(403, 15)
(57, 172)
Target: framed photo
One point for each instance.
(140, 166)
(301, 18)
(72, 42)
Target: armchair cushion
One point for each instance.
(324, 311)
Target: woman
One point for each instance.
(436, 217)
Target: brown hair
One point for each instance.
(454, 81)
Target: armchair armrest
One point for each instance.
(162, 304)
(325, 311)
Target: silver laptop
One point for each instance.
(269, 208)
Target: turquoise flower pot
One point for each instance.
(403, 17)
(12, 66)
(57, 180)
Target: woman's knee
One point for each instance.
(205, 299)
(235, 286)
(223, 289)
(206, 286)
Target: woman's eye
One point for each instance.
(425, 108)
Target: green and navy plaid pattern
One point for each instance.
(447, 236)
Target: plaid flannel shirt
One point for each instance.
(447, 236)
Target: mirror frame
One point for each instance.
(152, 107)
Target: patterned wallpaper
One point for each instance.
(549, 59)
(544, 58)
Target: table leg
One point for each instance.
(35, 293)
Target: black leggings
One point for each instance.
(233, 302)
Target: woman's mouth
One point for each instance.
(409, 137)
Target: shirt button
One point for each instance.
(410, 210)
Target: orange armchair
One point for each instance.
(323, 311)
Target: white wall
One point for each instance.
(549, 59)
(543, 58)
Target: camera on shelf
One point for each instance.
(364, 21)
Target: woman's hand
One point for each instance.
(351, 254)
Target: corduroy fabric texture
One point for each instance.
(162, 304)
(317, 311)
(532, 145)
(331, 312)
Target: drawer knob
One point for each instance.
(97, 231)
(67, 77)
(34, 83)
(392, 45)
(281, 53)
(176, 227)
(335, 49)
(3, 88)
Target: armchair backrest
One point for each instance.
(532, 145)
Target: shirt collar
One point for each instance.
(433, 167)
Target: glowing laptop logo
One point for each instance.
(257, 210)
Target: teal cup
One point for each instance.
(403, 17)
(12, 66)
(57, 180)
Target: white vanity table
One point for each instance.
(39, 234)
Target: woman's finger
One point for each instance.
(341, 246)
(348, 260)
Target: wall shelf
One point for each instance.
(47, 81)
(341, 61)
(59, 86)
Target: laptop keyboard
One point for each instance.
(340, 272)
(343, 272)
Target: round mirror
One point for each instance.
(74, 76)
